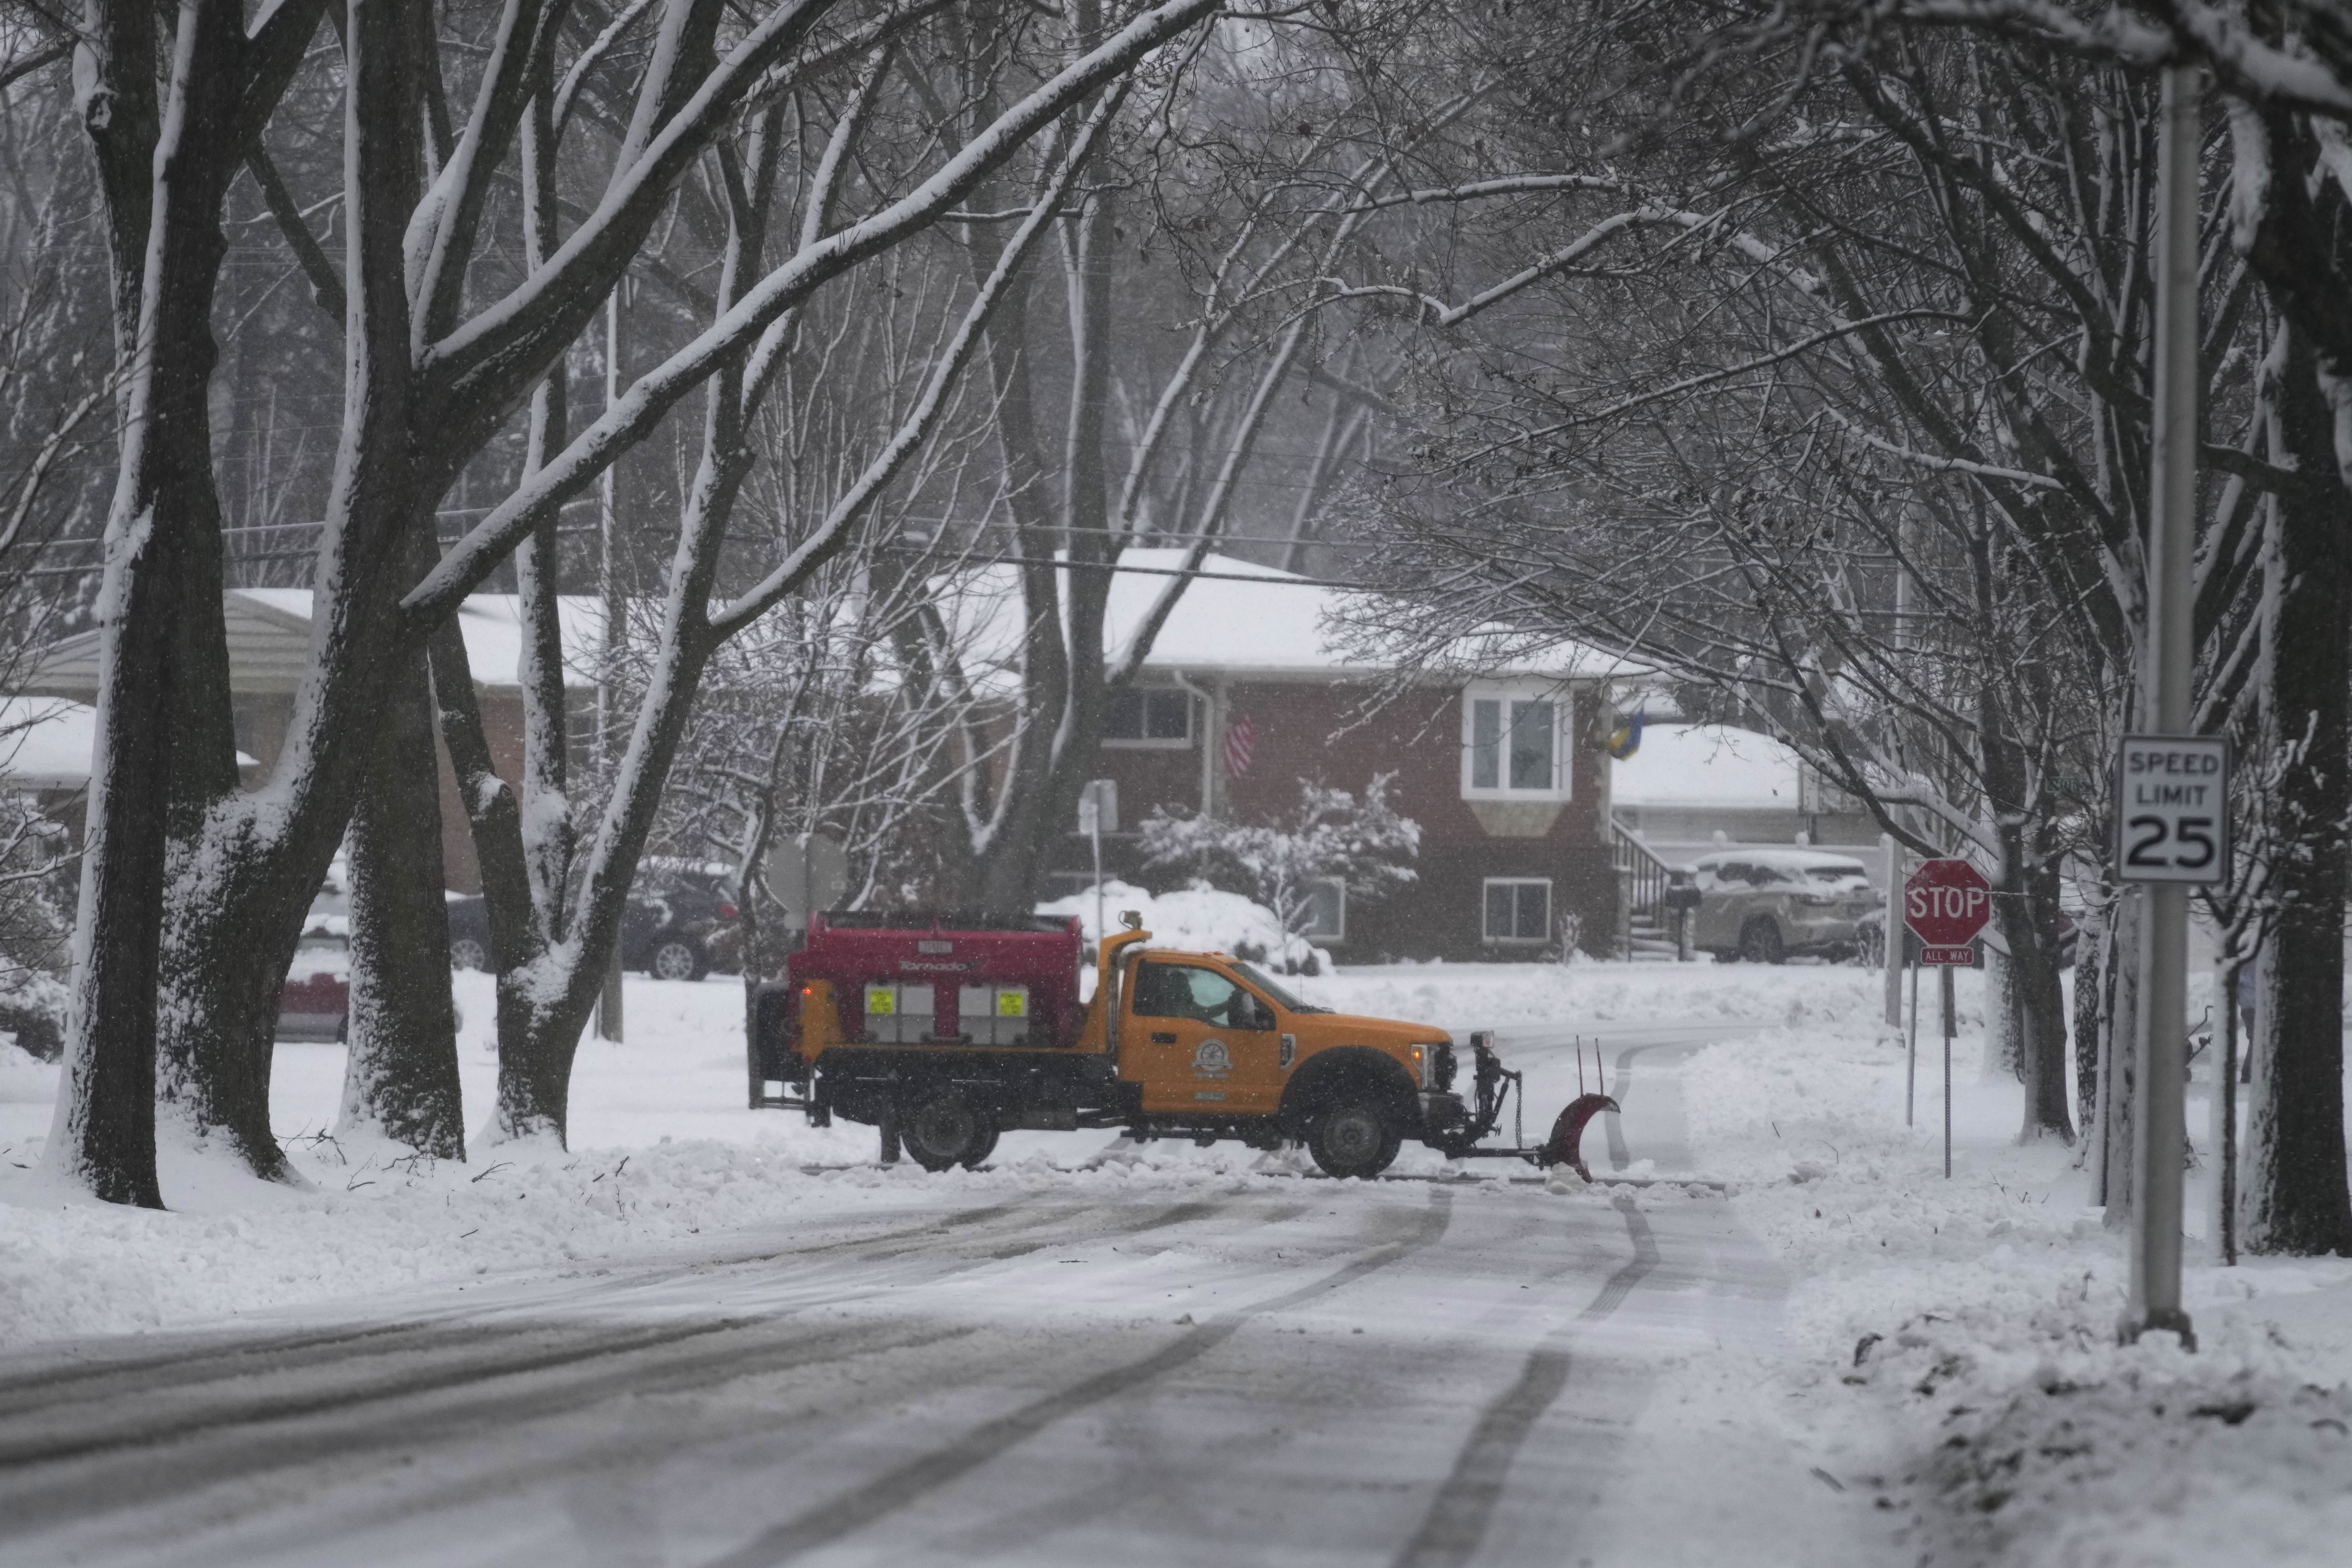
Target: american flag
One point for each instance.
(1241, 740)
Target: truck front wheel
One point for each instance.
(946, 1130)
(1353, 1138)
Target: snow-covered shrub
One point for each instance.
(1330, 837)
(1198, 918)
(33, 1013)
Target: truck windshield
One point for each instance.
(1258, 977)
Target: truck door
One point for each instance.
(1200, 1041)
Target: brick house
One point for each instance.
(268, 648)
(1244, 696)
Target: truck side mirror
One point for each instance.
(1131, 919)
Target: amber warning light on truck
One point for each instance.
(2173, 809)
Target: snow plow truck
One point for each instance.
(945, 1031)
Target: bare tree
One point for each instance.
(165, 154)
(431, 377)
(552, 932)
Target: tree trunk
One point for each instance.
(2033, 1001)
(2295, 1195)
(400, 1080)
(167, 234)
(2118, 1062)
(2038, 1000)
(244, 879)
(2093, 976)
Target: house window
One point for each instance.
(1514, 744)
(1148, 716)
(1519, 908)
(1327, 911)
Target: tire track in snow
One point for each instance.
(603, 1455)
(126, 1418)
(1457, 1519)
(484, 1407)
(1621, 1284)
(198, 1358)
(1147, 1470)
(888, 1493)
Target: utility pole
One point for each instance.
(608, 528)
(2161, 1044)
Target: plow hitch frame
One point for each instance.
(1497, 1088)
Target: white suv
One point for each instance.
(1763, 905)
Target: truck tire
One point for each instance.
(1354, 1138)
(946, 1130)
(1759, 942)
(979, 1156)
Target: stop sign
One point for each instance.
(1946, 903)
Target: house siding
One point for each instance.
(1334, 733)
(262, 721)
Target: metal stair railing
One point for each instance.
(1643, 878)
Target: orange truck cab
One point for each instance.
(946, 1031)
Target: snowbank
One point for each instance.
(370, 1226)
(1953, 1341)
(1485, 995)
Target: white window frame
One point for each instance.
(1148, 743)
(1563, 766)
(1340, 890)
(1551, 911)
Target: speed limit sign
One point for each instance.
(2173, 809)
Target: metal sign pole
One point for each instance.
(1947, 1072)
(1098, 814)
(1911, 1055)
(1891, 960)
(2160, 1127)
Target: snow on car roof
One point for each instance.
(1785, 860)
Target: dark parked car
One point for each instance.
(679, 925)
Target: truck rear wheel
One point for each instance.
(946, 1130)
(1353, 1138)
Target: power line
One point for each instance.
(91, 540)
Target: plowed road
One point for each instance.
(1088, 1369)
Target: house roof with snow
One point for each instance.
(268, 633)
(1697, 766)
(46, 743)
(1242, 619)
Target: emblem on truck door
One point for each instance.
(1212, 1060)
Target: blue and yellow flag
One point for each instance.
(1626, 738)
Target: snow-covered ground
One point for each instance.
(1932, 1361)
(670, 1103)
